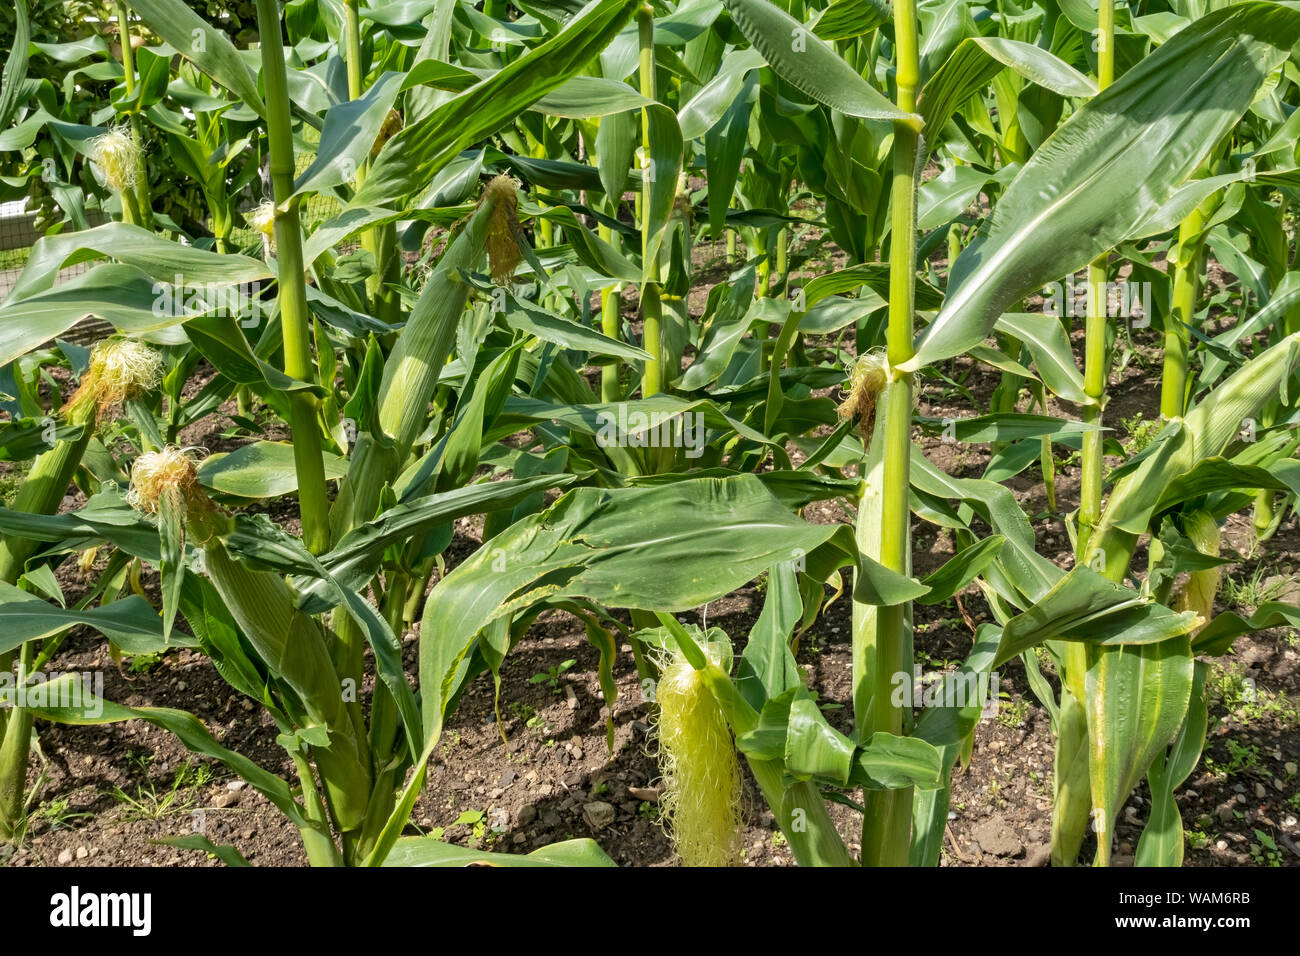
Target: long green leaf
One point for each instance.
(808, 63)
(134, 246)
(426, 851)
(1093, 183)
(408, 160)
(205, 46)
(977, 60)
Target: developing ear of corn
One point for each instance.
(117, 157)
(502, 195)
(869, 378)
(1198, 594)
(411, 373)
(263, 606)
(262, 217)
(168, 481)
(118, 370)
(701, 799)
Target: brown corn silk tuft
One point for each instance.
(392, 126)
(503, 228)
(170, 479)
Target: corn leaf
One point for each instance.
(153, 255)
(426, 851)
(808, 63)
(15, 70)
(123, 295)
(1137, 700)
(977, 60)
(408, 160)
(262, 469)
(1084, 606)
(205, 46)
(131, 623)
(1092, 183)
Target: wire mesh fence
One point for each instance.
(18, 232)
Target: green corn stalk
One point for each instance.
(410, 378)
(1191, 245)
(651, 308)
(141, 211)
(1070, 807)
(1007, 393)
(295, 319)
(352, 48)
(1096, 359)
(610, 390)
(380, 241)
(1046, 461)
(883, 640)
(41, 493)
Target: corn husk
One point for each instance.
(1202, 586)
(700, 804)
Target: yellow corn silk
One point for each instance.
(701, 771)
(117, 157)
(167, 477)
(119, 369)
(262, 217)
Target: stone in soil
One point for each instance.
(598, 814)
